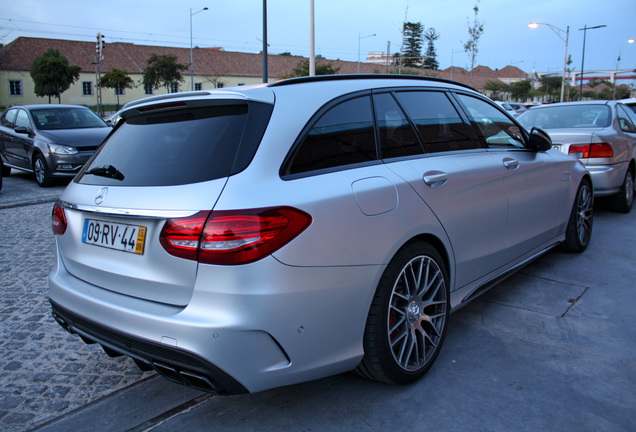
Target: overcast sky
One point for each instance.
(236, 25)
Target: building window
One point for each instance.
(148, 89)
(220, 85)
(15, 88)
(198, 86)
(174, 87)
(87, 88)
(119, 91)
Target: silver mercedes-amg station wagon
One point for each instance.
(242, 239)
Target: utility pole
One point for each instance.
(264, 41)
(98, 75)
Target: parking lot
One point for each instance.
(553, 348)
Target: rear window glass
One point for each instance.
(165, 149)
(565, 117)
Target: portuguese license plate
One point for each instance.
(122, 237)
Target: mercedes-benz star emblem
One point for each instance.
(101, 195)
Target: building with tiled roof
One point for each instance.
(213, 67)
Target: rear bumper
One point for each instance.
(607, 179)
(173, 364)
(271, 326)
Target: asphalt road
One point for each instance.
(553, 348)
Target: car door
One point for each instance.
(459, 182)
(18, 147)
(533, 180)
(7, 135)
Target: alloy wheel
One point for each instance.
(417, 313)
(584, 214)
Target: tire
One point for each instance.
(6, 171)
(41, 171)
(406, 327)
(579, 230)
(623, 200)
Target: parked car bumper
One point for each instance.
(225, 340)
(67, 165)
(607, 179)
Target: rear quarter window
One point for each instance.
(342, 136)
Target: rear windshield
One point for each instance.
(566, 117)
(167, 149)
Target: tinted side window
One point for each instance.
(342, 136)
(172, 148)
(494, 128)
(8, 119)
(397, 137)
(438, 123)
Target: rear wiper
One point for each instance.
(107, 171)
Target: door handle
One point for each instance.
(435, 178)
(511, 164)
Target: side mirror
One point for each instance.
(21, 130)
(539, 140)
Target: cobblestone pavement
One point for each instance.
(44, 372)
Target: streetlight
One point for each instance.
(361, 37)
(191, 56)
(585, 29)
(558, 32)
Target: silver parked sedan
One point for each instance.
(242, 239)
(602, 135)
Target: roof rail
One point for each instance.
(342, 77)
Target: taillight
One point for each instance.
(58, 220)
(597, 150)
(233, 237)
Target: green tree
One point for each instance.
(475, 30)
(162, 70)
(622, 92)
(594, 85)
(412, 36)
(302, 69)
(550, 87)
(117, 79)
(521, 89)
(496, 86)
(430, 61)
(52, 75)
